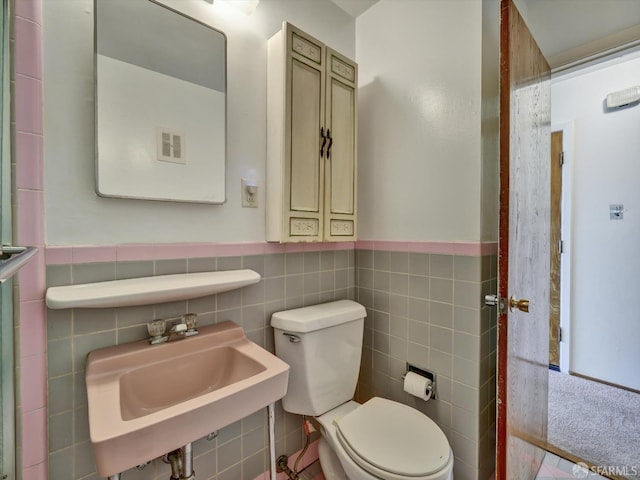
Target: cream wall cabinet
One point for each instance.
(311, 140)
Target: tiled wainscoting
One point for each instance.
(423, 308)
(290, 279)
(427, 309)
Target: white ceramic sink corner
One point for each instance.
(147, 400)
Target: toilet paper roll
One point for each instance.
(418, 385)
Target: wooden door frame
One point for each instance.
(567, 129)
(556, 161)
(503, 242)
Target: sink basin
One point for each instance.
(147, 400)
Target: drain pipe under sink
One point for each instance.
(187, 463)
(181, 461)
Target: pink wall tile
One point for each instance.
(126, 253)
(171, 250)
(34, 424)
(59, 255)
(30, 230)
(441, 248)
(28, 98)
(391, 246)
(32, 278)
(32, 329)
(294, 247)
(238, 249)
(225, 250)
(200, 250)
(437, 248)
(271, 247)
(31, 208)
(36, 472)
(251, 248)
(28, 50)
(328, 246)
(463, 248)
(33, 374)
(364, 244)
(94, 254)
(31, 9)
(489, 248)
(29, 161)
(344, 245)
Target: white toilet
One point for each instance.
(379, 439)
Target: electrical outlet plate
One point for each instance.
(248, 200)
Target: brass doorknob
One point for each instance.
(515, 304)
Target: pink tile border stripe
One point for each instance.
(63, 255)
(439, 248)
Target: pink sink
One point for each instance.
(147, 400)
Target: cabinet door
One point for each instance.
(341, 158)
(304, 175)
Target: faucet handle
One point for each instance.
(156, 328)
(156, 331)
(190, 320)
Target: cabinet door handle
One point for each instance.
(330, 143)
(324, 141)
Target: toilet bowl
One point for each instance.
(382, 439)
(378, 440)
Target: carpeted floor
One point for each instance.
(595, 422)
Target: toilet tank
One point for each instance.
(322, 345)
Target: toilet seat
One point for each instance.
(392, 440)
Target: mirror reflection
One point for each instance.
(160, 104)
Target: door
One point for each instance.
(341, 154)
(305, 79)
(556, 248)
(523, 264)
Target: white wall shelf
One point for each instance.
(148, 290)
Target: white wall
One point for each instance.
(490, 129)
(605, 325)
(75, 214)
(420, 157)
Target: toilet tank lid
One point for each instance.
(316, 317)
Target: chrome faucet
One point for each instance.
(185, 327)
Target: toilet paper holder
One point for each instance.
(425, 373)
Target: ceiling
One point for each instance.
(355, 7)
(566, 30)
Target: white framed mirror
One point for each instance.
(160, 97)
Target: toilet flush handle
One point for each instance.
(292, 338)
